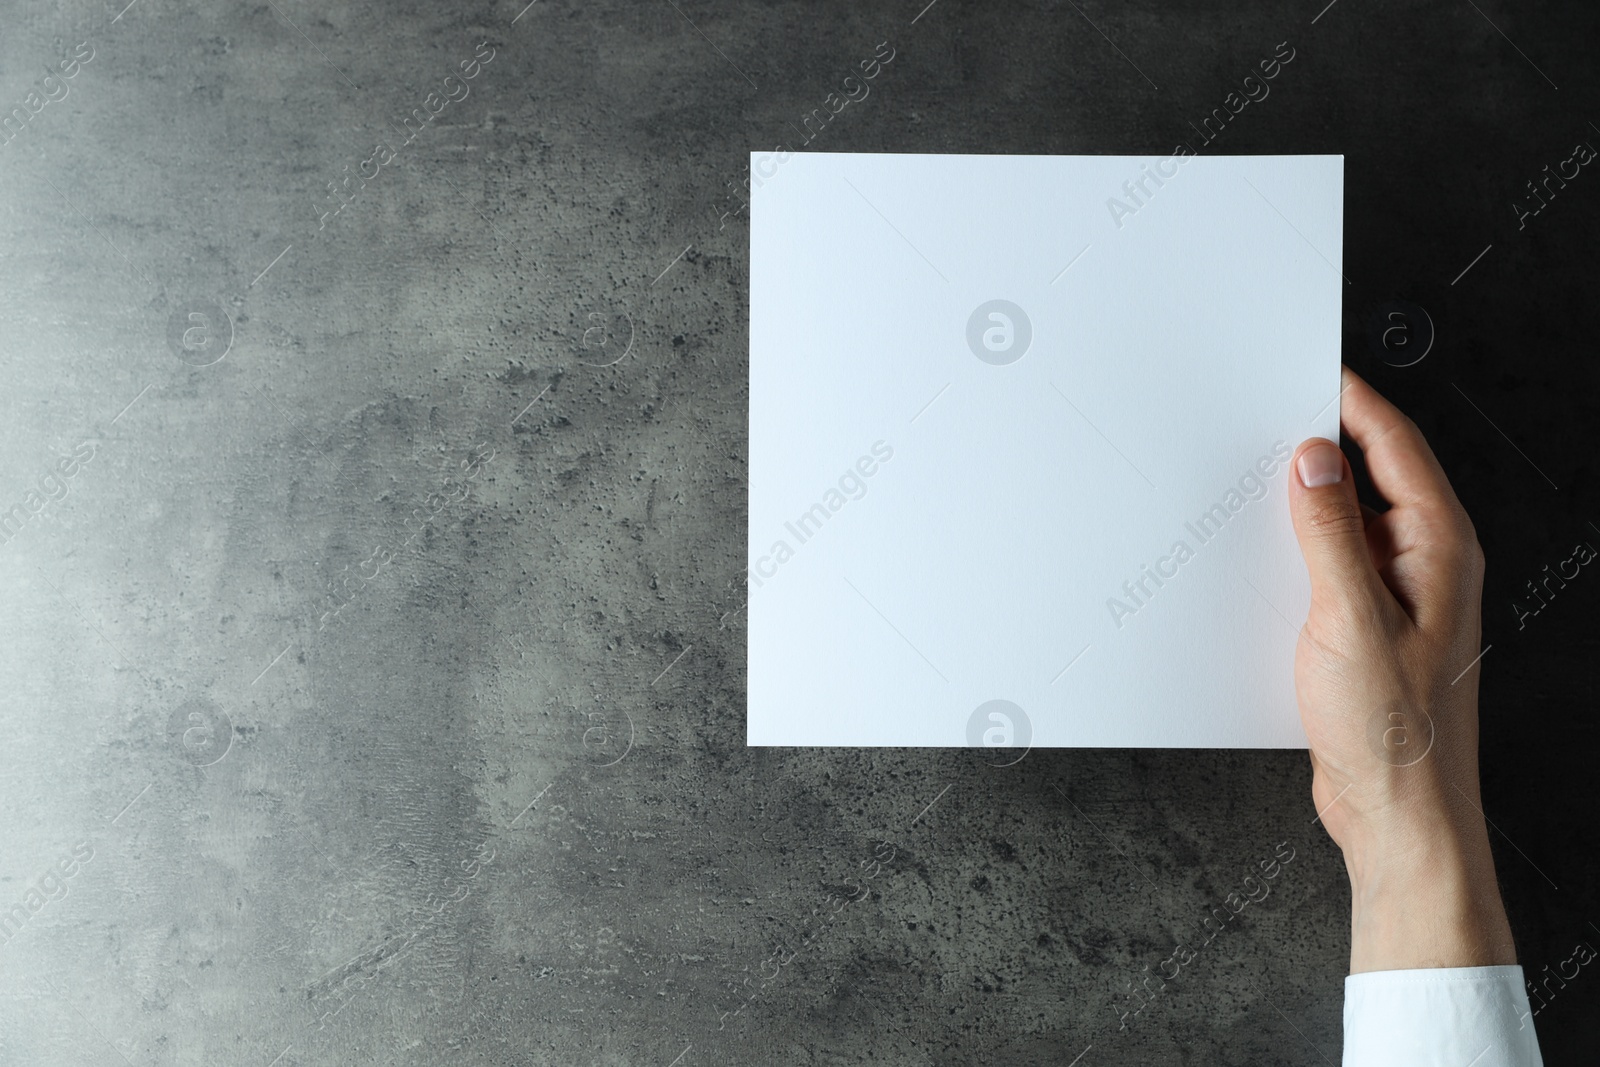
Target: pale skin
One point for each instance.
(1388, 693)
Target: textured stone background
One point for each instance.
(498, 809)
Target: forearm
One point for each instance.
(1424, 894)
(1433, 976)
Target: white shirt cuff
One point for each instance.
(1439, 1017)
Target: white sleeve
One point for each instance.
(1439, 1017)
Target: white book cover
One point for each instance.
(1019, 431)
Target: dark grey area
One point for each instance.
(498, 808)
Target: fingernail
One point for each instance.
(1321, 465)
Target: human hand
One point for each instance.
(1386, 675)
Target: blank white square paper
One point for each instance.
(1018, 439)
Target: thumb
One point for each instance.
(1329, 525)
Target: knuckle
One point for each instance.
(1459, 570)
(1461, 539)
(1334, 519)
(1473, 561)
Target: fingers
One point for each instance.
(1330, 527)
(1402, 466)
(1426, 524)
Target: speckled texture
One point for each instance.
(498, 809)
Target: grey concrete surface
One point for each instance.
(373, 676)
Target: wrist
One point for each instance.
(1424, 894)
